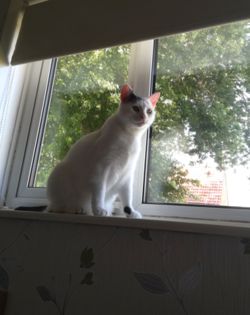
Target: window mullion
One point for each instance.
(140, 67)
(140, 78)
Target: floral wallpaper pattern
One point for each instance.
(70, 269)
(86, 262)
(155, 284)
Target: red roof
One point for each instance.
(211, 193)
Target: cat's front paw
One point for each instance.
(136, 215)
(101, 212)
(132, 213)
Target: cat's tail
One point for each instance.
(35, 208)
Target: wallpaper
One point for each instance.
(69, 269)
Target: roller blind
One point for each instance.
(60, 27)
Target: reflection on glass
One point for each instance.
(199, 149)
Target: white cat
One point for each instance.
(101, 165)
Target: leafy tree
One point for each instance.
(204, 79)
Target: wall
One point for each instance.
(3, 13)
(70, 269)
(4, 6)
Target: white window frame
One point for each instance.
(11, 89)
(32, 100)
(140, 77)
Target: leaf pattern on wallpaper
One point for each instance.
(46, 296)
(156, 285)
(246, 245)
(44, 293)
(190, 279)
(15, 239)
(4, 279)
(145, 235)
(26, 236)
(86, 262)
(151, 283)
(87, 258)
(88, 279)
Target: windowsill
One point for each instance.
(227, 228)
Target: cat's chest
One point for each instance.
(120, 167)
(124, 148)
(121, 156)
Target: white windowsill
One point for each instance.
(227, 228)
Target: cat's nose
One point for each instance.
(142, 118)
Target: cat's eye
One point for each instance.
(136, 109)
(149, 111)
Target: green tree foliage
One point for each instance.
(204, 111)
(204, 79)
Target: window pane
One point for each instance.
(85, 93)
(200, 143)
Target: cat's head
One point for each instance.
(137, 111)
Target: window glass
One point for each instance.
(85, 92)
(200, 141)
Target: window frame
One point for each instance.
(18, 193)
(11, 90)
(141, 76)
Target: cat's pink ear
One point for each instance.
(125, 92)
(154, 98)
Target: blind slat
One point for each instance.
(60, 27)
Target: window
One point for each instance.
(196, 156)
(201, 137)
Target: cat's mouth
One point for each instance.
(140, 123)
